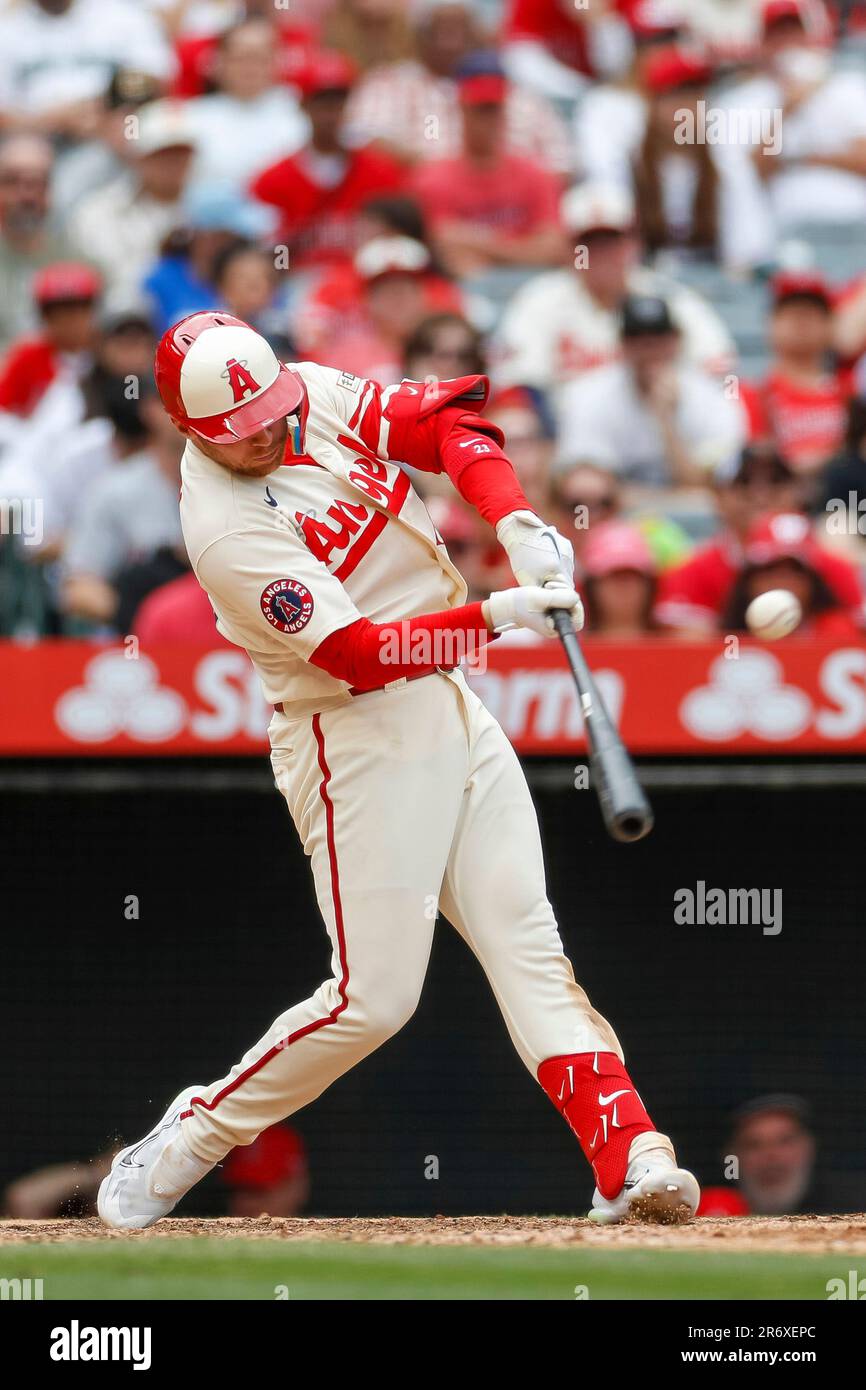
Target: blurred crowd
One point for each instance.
(645, 220)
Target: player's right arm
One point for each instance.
(272, 593)
(437, 427)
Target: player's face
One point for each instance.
(253, 457)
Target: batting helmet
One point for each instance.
(221, 379)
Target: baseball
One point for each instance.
(774, 614)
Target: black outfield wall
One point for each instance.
(104, 1019)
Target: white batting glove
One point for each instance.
(536, 552)
(530, 607)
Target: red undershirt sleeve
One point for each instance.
(369, 655)
(470, 451)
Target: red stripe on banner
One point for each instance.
(341, 942)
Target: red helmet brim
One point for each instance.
(284, 397)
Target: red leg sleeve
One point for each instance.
(596, 1095)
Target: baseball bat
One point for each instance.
(626, 810)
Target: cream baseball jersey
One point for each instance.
(332, 535)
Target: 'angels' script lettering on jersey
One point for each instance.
(334, 531)
(384, 483)
(342, 534)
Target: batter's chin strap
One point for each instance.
(596, 1095)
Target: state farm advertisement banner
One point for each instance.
(65, 697)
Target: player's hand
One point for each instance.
(530, 607)
(536, 552)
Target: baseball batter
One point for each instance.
(321, 560)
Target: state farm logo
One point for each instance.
(120, 696)
(746, 696)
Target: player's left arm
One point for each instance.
(438, 427)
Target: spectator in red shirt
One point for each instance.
(66, 296)
(487, 207)
(269, 1177)
(781, 553)
(179, 611)
(411, 108)
(320, 190)
(695, 596)
(800, 406)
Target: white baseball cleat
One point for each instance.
(148, 1179)
(654, 1190)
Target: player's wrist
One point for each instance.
(500, 610)
(508, 528)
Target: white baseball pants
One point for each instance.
(407, 800)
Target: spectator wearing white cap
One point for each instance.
(251, 120)
(57, 58)
(122, 226)
(564, 322)
(650, 418)
(393, 272)
(818, 171)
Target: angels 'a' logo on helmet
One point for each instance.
(240, 379)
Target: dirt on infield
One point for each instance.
(805, 1235)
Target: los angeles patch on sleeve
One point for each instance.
(287, 604)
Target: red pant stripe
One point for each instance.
(341, 943)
